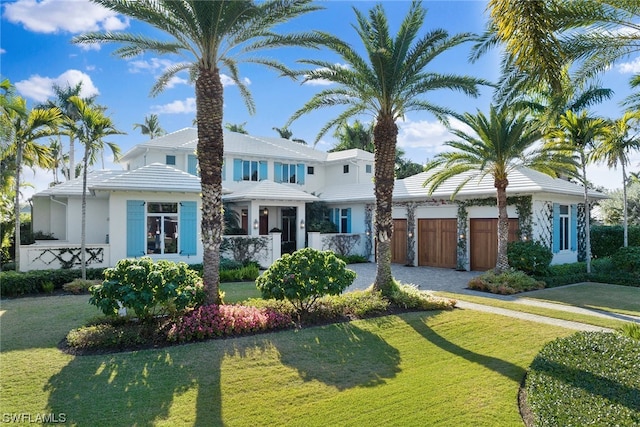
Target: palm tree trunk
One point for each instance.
(83, 229)
(210, 155)
(72, 163)
(502, 262)
(625, 215)
(385, 134)
(16, 207)
(587, 216)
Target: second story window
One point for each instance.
(171, 160)
(367, 168)
(345, 169)
(249, 170)
(289, 173)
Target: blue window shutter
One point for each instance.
(135, 228)
(262, 171)
(277, 172)
(237, 169)
(336, 215)
(349, 220)
(574, 227)
(300, 173)
(556, 228)
(192, 164)
(188, 228)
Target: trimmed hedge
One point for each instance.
(607, 239)
(589, 378)
(13, 284)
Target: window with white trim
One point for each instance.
(564, 228)
(162, 228)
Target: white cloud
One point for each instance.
(51, 16)
(630, 67)
(40, 88)
(228, 81)
(175, 80)
(153, 65)
(2, 51)
(176, 107)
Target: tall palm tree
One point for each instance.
(580, 132)
(211, 36)
(355, 135)
(614, 150)
(286, 133)
(93, 127)
(632, 102)
(150, 127)
(24, 128)
(498, 144)
(388, 83)
(236, 127)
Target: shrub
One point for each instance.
(353, 259)
(48, 287)
(342, 244)
(607, 239)
(627, 259)
(589, 378)
(244, 248)
(304, 276)
(242, 274)
(14, 284)
(531, 257)
(352, 305)
(631, 330)
(108, 335)
(211, 321)
(79, 286)
(147, 288)
(410, 297)
(506, 283)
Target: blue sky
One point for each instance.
(36, 52)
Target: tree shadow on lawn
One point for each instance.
(139, 388)
(502, 367)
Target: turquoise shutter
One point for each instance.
(574, 227)
(277, 172)
(135, 228)
(349, 220)
(556, 228)
(262, 171)
(188, 228)
(237, 169)
(300, 174)
(336, 215)
(192, 164)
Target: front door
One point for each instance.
(289, 230)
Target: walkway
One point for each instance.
(442, 279)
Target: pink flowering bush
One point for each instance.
(210, 321)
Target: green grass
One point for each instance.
(235, 292)
(598, 296)
(542, 311)
(457, 367)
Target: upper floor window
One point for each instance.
(171, 160)
(310, 170)
(345, 169)
(367, 168)
(249, 170)
(289, 173)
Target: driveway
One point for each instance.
(426, 278)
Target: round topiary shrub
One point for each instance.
(627, 259)
(531, 257)
(304, 276)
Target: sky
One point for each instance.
(36, 53)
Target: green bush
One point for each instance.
(48, 287)
(147, 288)
(631, 330)
(78, 286)
(531, 257)
(589, 378)
(607, 239)
(627, 259)
(114, 334)
(410, 297)
(506, 283)
(242, 274)
(14, 284)
(304, 276)
(352, 259)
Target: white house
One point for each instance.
(152, 207)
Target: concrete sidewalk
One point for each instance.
(449, 280)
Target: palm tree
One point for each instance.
(236, 127)
(93, 127)
(286, 133)
(632, 102)
(150, 127)
(614, 150)
(211, 36)
(499, 144)
(580, 133)
(356, 135)
(388, 83)
(24, 128)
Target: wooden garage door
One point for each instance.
(437, 241)
(399, 242)
(483, 241)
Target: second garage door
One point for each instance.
(483, 241)
(437, 242)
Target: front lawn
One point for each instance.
(456, 367)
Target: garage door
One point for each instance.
(399, 242)
(437, 241)
(483, 241)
